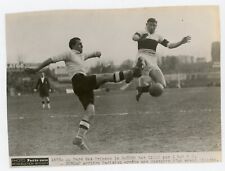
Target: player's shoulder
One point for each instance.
(158, 36)
(66, 54)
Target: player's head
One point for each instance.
(151, 25)
(76, 44)
(156, 89)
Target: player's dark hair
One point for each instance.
(152, 20)
(73, 42)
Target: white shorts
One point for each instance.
(149, 61)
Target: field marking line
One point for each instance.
(67, 116)
(106, 114)
(63, 116)
(112, 114)
(23, 116)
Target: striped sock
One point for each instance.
(118, 76)
(83, 128)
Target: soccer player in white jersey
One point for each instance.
(83, 84)
(146, 57)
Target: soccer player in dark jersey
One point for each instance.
(84, 84)
(146, 57)
(43, 86)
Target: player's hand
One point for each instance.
(35, 90)
(143, 36)
(186, 39)
(98, 54)
(30, 70)
(50, 90)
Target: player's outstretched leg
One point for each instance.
(118, 76)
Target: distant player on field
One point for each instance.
(43, 86)
(83, 84)
(147, 43)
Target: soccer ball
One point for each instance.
(156, 89)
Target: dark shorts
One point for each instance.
(44, 93)
(83, 87)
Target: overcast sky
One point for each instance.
(37, 36)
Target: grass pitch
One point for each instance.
(181, 120)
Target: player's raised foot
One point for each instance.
(78, 141)
(135, 73)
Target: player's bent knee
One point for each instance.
(156, 89)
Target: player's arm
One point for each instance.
(138, 36)
(61, 57)
(184, 40)
(39, 67)
(96, 54)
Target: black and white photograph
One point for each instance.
(130, 85)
